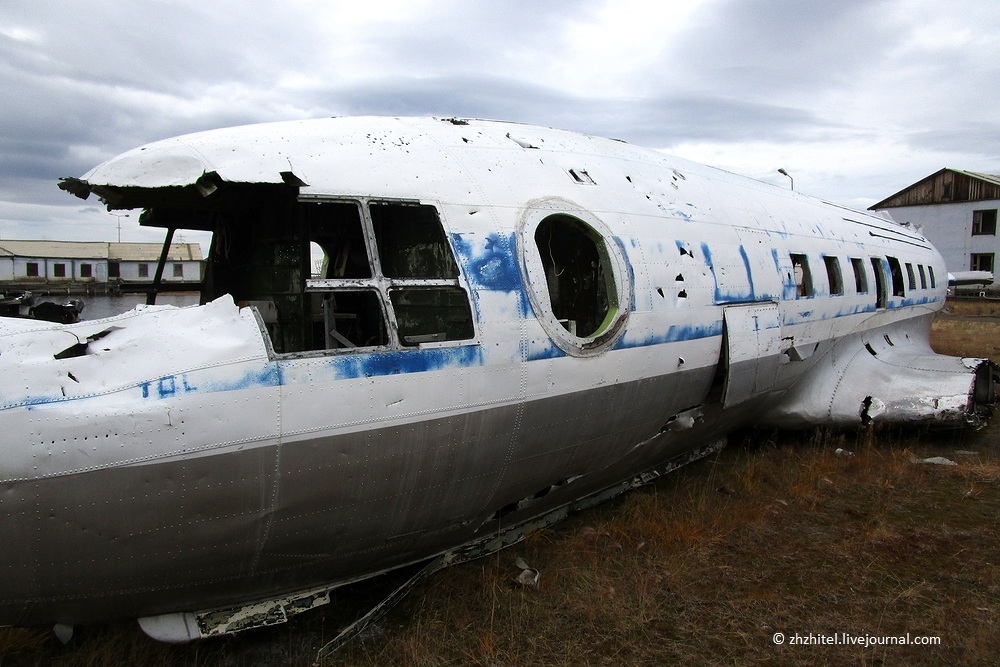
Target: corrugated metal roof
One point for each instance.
(989, 178)
(139, 252)
(99, 250)
(56, 249)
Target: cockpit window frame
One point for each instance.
(384, 285)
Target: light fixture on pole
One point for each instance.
(120, 216)
(785, 173)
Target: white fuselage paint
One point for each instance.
(178, 463)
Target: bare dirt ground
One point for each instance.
(778, 550)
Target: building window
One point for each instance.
(59, 270)
(32, 270)
(984, 223)
(178, 270)
(86, 271)
(144, 270)
(114, 270)
(982, 261)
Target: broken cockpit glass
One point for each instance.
(393, 265)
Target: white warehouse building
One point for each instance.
(54, 263)
(957, 211)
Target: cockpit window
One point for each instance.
(396, 266)
(337, 229)
(411, 243)
(428, 315)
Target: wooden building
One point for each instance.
(957, 211)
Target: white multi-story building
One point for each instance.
(957, 211)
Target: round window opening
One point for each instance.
(584, 292)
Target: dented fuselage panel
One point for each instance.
(505, 320)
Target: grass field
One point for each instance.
(778, 533)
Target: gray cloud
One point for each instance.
(83, 83)
(973, 138)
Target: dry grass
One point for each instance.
(968, 328)
(973, 308)
(776, 533)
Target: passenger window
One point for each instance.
(833, 274)
(581, 288)
(930, 274)
(803, 277)
(860, 278)
(579, 283)
(897, 277)
(881, 296)
(923, 276)
(909, 276)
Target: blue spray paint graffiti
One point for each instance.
(491, 264)
(729, 296)
(395, 362)
(168, 386)
(675, 333)
(789, 290)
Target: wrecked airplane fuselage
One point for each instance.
(507, 321)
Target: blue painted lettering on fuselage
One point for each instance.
(167, 386)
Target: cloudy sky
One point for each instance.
(856, 99)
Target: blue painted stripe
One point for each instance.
(674, 334)
(396, 362)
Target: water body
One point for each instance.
(96, 307)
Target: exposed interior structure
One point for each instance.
(580, 284)
(386, 277)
